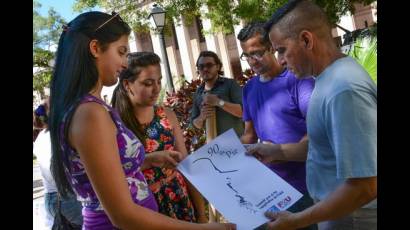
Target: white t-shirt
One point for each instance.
(42, 150)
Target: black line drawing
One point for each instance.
(230, 185)
(220, 171)
(242, 202)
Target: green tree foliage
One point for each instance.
(137, 18)
(261, 10)
(188, 8)
(335, 9)
(41, 61)
(129, 11)
(46, 32)
(364, 50)
(38, 24)
(84, 5)
(223, 14)
(42, 79)
(42, 57)
(257, 10)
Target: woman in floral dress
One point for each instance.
(158, 128)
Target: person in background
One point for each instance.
(217, 93)
(70, 207)
(39, 115)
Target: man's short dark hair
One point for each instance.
(298, 15)
(253, 29)
(280, 13)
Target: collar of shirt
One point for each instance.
(218, 82)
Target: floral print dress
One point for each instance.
(168, 185)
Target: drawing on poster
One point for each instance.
(212, 163)
(241, 200)
(223, 173)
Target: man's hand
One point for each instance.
(266, 153)
(207, 111)
(210, 99)
(283, 220)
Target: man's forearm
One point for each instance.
(234, 109)
(248, 139)
(294, 151)
(349, 196)
(291, 151)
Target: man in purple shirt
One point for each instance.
(274, 108)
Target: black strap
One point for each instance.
(58, 203)
(60, 222)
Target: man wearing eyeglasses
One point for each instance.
(274, 110)
(217, 94)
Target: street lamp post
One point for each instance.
(157, 15)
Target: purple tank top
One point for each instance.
(132, 156)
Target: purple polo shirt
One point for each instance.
(277, 109)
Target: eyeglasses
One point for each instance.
(114, 14)
(257, 55)
(206, 65)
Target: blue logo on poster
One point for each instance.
(285, 202)
(273, 209)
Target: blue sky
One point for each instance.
(63, 7)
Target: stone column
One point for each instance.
(217, 44)
(224, 55)
(185, 49)
(237, 28)
(133, 42)
(156, 45)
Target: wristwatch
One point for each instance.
(221, 103)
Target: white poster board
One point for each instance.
(239, 186)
